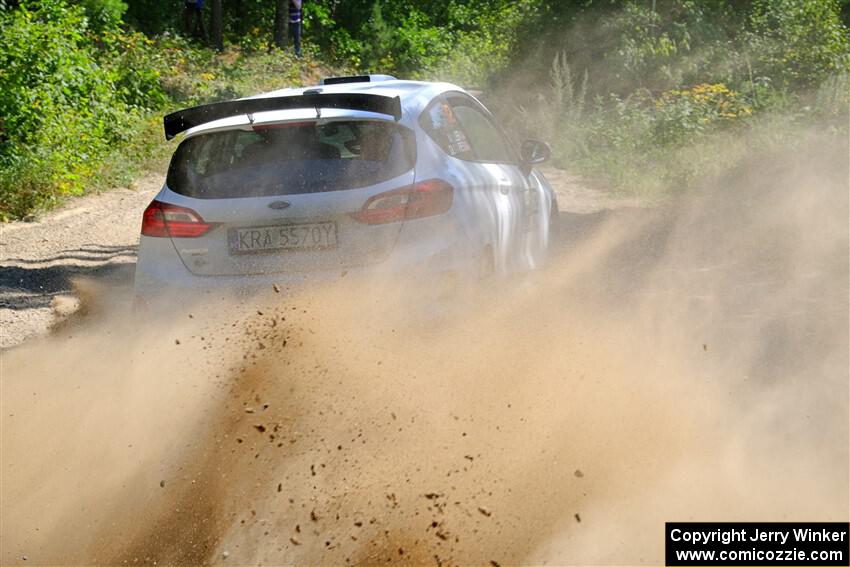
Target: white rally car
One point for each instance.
(315, 182)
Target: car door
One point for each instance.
(498, 163)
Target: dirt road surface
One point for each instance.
(92, 237)
(682, 362)
(96, 238)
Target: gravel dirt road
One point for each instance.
(687, 361)
(91, 237)
(95, 238)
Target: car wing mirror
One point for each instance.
(534, 152)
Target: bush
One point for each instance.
(26, 185)
(654, 145)
(675, 89)
(481, 40)
(135, 64)
(103, 14)
(55, 97)
(67, 96)
(684, 115)
(463, 41)
(799, 43)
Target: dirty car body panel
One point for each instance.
(423, 180)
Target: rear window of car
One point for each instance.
(291, 159)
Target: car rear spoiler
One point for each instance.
(182, 120)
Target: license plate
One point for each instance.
(304, 236)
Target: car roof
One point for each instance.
(413, 95)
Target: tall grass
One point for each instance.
(558, 113)
(655, 145)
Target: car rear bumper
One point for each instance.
(418, 255)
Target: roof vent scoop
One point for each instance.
(357, 79)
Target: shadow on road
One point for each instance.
(31, 284)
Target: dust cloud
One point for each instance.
(688, 362)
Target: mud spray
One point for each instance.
(682, 363)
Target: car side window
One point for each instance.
(441, 124)
(488, 141)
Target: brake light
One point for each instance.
(164, 220)
(425, 199)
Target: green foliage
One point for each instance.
(628, 89)
(75, 83)
(637, 142)
(153, 17)
(799, 42)
(461, 40)
(135, 63)
(558, 113)
(82, 107)
(25, 186)
(674, 90)
(103, 14)
(68, 96)
(376, 54)
(831, 101)
(334, 41)
(682, 116)
(59, 106)
(481, 41)
(650, 46)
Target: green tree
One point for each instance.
(799, 43)
(103, 14)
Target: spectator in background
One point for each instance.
(193, 18)
(295, 24)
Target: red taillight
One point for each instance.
(425, 199)
(164, 220)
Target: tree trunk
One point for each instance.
(215, 26)
(281, 17)
(240, 24)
